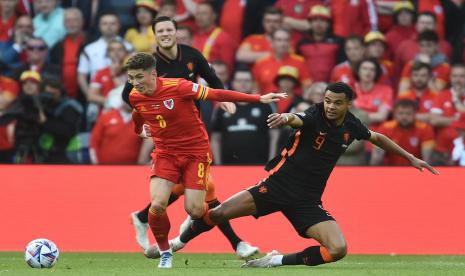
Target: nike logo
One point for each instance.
(323, 133)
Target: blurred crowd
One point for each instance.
(61, 74)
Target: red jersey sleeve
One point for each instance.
(197, 91)
(406, 71)
(443, 72)
(138, 122)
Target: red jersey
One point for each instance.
(6, 29)
(343, 72)
(70, 63)
(9, 90)
(232, 18)
(257, 43)
(266, 69)
(388, 71)
(103, 80)
(174, 119)
(412, 139)
(440, 72)
(112, 132)
(398, 34)
(216, 44)
(370, 101)
(353, 17)
(425, 101)
(434, 6)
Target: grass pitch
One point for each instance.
(90, 264)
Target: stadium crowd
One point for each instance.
(62, 75)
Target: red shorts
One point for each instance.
(178, 190)
(190, 170)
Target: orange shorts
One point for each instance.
(190, 170)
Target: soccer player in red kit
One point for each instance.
(182, 154)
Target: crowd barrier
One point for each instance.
(87, 208)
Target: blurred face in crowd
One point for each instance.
(242, 81)
(404, 115)
(54, 91)
(23, 26)
(143, 80)
(144, 16)
(117, 51)
(367, 72)
(354, 50)
(73, 21)
(45, 6)
(205, 16)
(30, 87)
(36, 50)
(335, 105)
(109, 25)
(420, 78)
(375, 49)
(457, 79)
(222, 72)
(8, 6)
(271, 22)
(165, 33)
(315, 93)
(287, 85)
(429, 48)
(183, 36)
(167, 10)
(281, 42)
(319, 26)
(405, 18)
(425, 22)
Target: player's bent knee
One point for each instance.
(218, 215)
(196, 212)
(338, 250)
(158, 207)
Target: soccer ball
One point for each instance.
(41, 253)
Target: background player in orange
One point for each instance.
(182, 153)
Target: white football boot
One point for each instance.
(141, 231)
(263, 261)
(245, 250)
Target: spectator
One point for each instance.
(375, 44)
(458, 153)
(168, 8)
(211, 40)
(94, 56)
(92, 11)
(257, 46)
(320, 48)
(109, 77)
(115, 130)
(141, 37)
(66, 52)
(9, 90)
(48, 21)
(414, 136)
(222, 72)
(372, 97)
(243, 137)
(184, 35)
(312, 95)
(434, 7)
(408, 49)
(354, 50)
(287, 81)
(429, 53)
(182, 11)
(266, 69)
(420, 75)
(447, 107)
(295, 15)
(60, 123)
(403, 29)
(12, 51)
(354, 17)
(36, 60)
(7, 19)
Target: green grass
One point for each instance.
(89, 264)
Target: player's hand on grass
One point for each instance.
(272, 97)
(228, 107)
(277, 120)
(146, 133)
(420, 164)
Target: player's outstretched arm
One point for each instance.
(277, 120)
(390, 146)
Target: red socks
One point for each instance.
(160, 226)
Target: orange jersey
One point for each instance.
(412, 140)
(343, 72)
(257, 43)
(173, 118)
(440, 72)
(425, 101)
(266, 69)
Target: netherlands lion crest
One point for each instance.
(169, 104)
